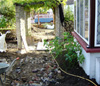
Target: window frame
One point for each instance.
(83, 37)
(75, 15)
(96, 23)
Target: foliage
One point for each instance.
(46, 3)
(3, 22)
(7, 9)
(69, 16)
(72, 48)
(11, 28)
(55, 46)
(41, 10)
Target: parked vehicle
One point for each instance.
(44, 18)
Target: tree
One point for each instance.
(7, 9)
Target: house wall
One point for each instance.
(86, 63)
(91, 47)
(91, 65)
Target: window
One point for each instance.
(82, 19)
(75, 14)
(77, 22)
(86, 20)
(97, 24)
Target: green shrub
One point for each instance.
(69, 15)
(3, 22)
(7, 23)
(68, 48)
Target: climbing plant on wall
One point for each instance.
(44, 3)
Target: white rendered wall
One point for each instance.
(98, 70)
(86, 63)
(91, 65)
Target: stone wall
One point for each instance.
(58, 26)
(18, 32)
(23, 25)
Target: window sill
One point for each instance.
(84, 44)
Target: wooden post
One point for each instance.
(53, 18)
(38, 19)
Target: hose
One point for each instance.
(72, 74)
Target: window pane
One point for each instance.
(98, 24)
(75, 14)
(81, 17)
(86, 19)
(78, 16)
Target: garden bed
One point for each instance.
(30, 62)
(29, 70)
(70, 80)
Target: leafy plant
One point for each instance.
(42, 3)
(41, 10)
(3, 22)
(72, 48)
(7, 9)
(69, 15)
